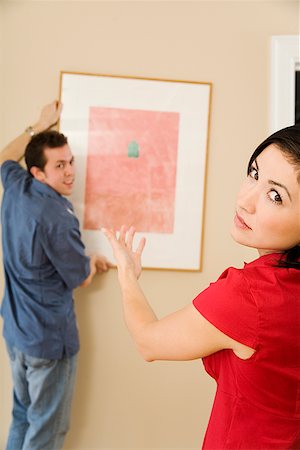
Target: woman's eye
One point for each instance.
(253, 173)
(275, 197)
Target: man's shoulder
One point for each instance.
(11, 171)
(57, 215)
(9, 165)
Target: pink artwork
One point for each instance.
(131, 169)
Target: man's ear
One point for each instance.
(38, 174)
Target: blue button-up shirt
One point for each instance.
(44, 260)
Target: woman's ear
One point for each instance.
(38, 174)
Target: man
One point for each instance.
(44, 260)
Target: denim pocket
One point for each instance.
(37, 363)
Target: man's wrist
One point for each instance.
(30, 131)
(37, 127)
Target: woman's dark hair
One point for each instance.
(288, 141)
(34, 152)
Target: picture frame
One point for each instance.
(140, 148)
(285, 63)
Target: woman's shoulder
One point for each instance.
(265, 265)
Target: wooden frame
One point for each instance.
(285, 60)
(140, 147)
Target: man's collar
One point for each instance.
(44, 188)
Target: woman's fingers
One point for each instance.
(109, 234)
(141, 246)
(125, 238)
(130, 236)
(122, 235)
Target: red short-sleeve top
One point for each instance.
(257, 403)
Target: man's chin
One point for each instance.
(68, 190)
(65, 192)
(68, 193)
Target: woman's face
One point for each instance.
(268, 205)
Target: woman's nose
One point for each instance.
(247, 198)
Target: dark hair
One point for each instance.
(34, 152)
(288, 141)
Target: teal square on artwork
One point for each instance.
(133, 149)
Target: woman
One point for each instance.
(246, 325)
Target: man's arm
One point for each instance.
(16, 148)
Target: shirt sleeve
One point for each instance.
(10, 172)
(66, 251)
(229, 305)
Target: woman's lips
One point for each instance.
(240, 223)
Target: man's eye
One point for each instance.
(253, 173)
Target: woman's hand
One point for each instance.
(128, 261)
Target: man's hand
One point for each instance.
(102, 264)
(98, 264)
(49, 116)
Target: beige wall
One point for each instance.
(122, 402)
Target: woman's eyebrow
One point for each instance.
(275, 183)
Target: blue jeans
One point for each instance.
(43, 391)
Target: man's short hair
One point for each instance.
(34, 152)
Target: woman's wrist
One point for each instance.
(127, 277)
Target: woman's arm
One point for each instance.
(182, 335)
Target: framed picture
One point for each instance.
(285, 88)
(140, 147)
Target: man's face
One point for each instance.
(59, 170)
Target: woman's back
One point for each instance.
(257, 403)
